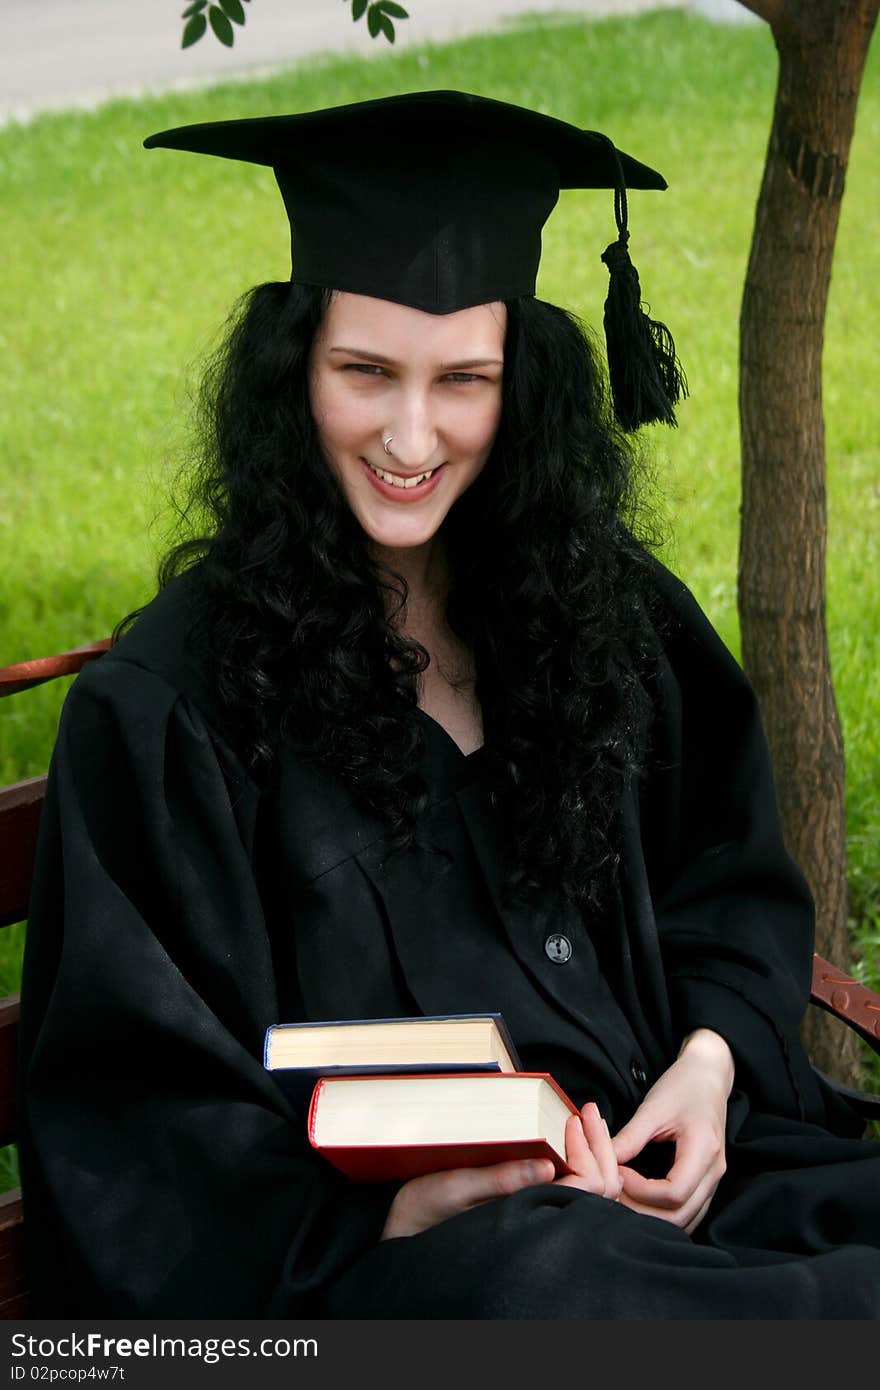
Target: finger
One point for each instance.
(577, 1150)
(586, 1174)
(694, 1210)
(460, 1188)
(424, 1201)
(635, 1134)
(590, 1153)
(696, 1161)
(686, 1215)
(647, 1192)
(695, 1221)
(503, 1179)
(695, 1157)
(644, 1209)
(698, 1168)
(689, 1215)
(596, 1131)
(587, 1139)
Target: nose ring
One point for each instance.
(386, 442)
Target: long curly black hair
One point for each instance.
(547, 589)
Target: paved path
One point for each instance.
(63, 53)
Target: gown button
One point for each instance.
(558, 948)
(638, 1073)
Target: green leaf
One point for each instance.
(193, 30)
(232, 8)
(221, 26)
(357, 8)
(195, 8)
(374, 17)
(395, 11)
(386, 27)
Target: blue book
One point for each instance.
(297, 1054)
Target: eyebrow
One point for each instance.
(444, 366)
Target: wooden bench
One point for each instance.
(20, 808)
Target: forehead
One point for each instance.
(357, 320)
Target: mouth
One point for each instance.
(402, 487)
(404, 480)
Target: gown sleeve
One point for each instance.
(163, 1172)
(734, 915)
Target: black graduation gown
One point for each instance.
(179, 911)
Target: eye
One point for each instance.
(367, 368)
(462, 377)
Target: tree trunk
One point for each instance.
(822, 48)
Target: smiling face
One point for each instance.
(430, 381)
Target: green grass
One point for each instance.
(121, 265)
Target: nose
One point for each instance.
(414, 428)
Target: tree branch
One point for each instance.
(771, 10)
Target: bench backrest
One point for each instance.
(20, 808)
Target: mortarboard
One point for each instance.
(437, 200)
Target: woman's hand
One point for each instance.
(590, 1152)
(688, 1105)
(423, 1202)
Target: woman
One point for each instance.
(420, 727)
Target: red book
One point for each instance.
(391, 1128)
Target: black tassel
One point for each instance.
(647, 380)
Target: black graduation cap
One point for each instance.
(437, 200)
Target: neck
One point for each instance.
(425, 569)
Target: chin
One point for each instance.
(399, 537)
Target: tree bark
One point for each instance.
(822, 47)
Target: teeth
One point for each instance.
(395, 480)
